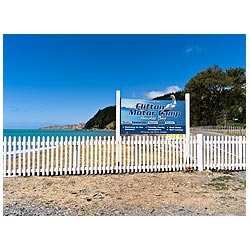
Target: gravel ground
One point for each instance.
(30, 209)
(141, 194)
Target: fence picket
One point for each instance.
(108, 160)
(104, 155)
(229, 153)
(147, 147)
(95, 145)
(66, 155)
(91, 155)
(14, 145)
(47, 155)
(124, 153)
(128, 154)
(244, 151)
(155, 153)
(158, 153)
(87, 155)
(211, 152)
(61, 155)
(43, 155)
(83, 155)
(237, 153)
(233, 151)
(151, 154)
(78, 155)
(70, 155)
(57, 156)
(219, 152)
(24, 156)
(19, 144)
(4, 156)
(139, 154)
(136, 153)
(240, 153)
(28, 155)
(225, 158)
(143, 154)
(52, 155)
(112, 154)
(33, 143)
(100, 158)
(222, 152)
(177, 153)
(170, 154)
(132, 154)
(9, 156)
(38, 143)
(74, 155)
(166, 154)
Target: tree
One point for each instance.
(178, 95)
(236, 95)
(213, 92)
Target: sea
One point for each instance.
(54, 133)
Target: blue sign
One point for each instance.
(152, 116)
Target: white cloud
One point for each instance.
(154, 93)
(190, 49)
(14, 109)
(133, 95)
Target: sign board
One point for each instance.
(152, 116)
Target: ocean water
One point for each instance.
(55, 133)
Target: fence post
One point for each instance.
(200, 151)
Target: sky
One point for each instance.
(66, 79)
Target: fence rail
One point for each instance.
(228, 130)
(103, 155)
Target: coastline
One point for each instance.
(56, 132)
(93, 129)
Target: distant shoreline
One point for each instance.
(92, 129)
(68, 129)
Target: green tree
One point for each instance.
(178, 95)
(214, 94)
(236, 95)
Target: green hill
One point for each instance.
(102, 118)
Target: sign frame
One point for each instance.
(186, 120)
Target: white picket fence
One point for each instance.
(227, 130)
(104, 155)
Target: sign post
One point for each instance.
(187, 101)
(118, 114)
(118, 128)
(187, 137)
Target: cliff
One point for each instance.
(79, 126)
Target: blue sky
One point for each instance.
(66, 79)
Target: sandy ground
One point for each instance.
(170, 193)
